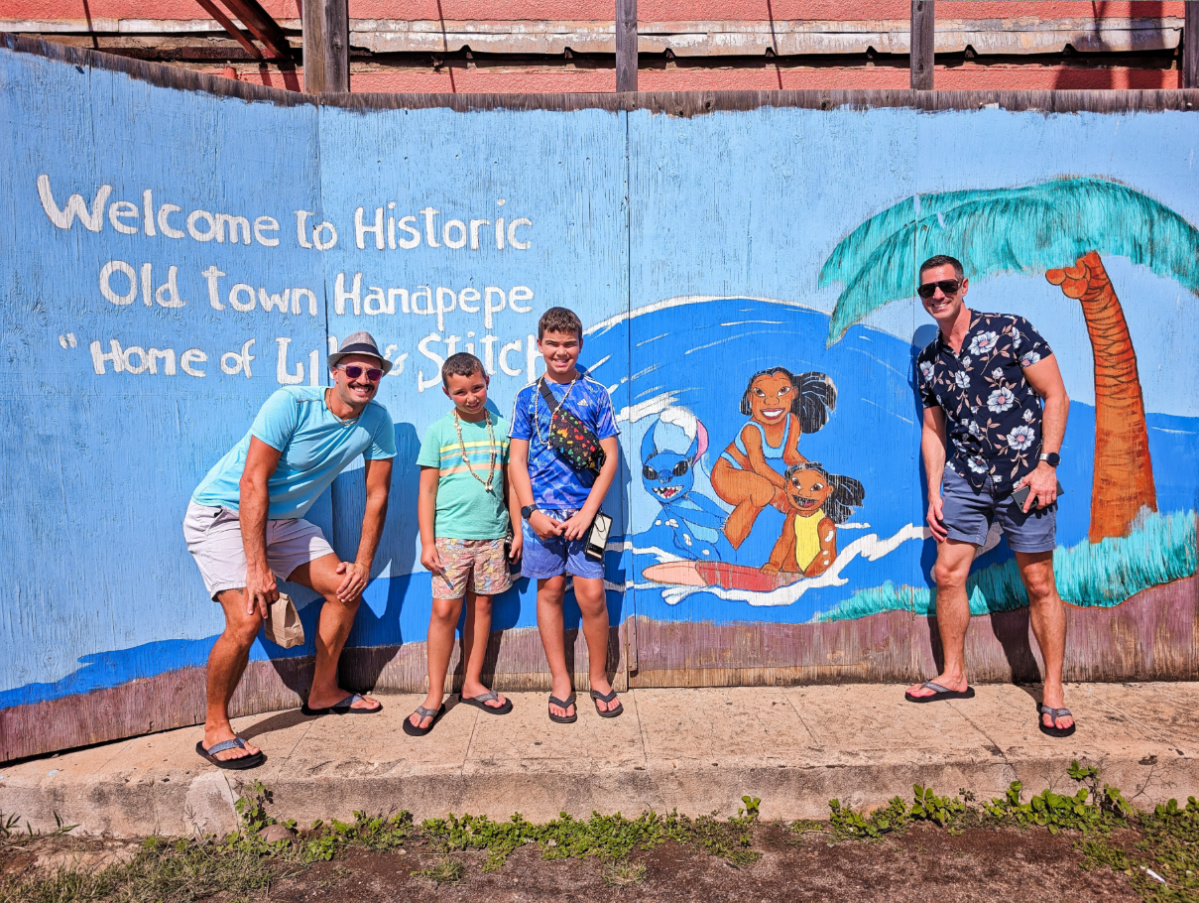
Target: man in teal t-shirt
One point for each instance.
(245, 528)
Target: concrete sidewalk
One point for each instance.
(691, 750)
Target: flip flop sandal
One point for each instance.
(564, 703)
(413, 731)
(480, 702)
(345, 707)
(1055, 714)
(940, 693)
(209, 755)
(611, 713)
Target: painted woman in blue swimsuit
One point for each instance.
(749, 474)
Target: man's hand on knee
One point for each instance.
(354, 580)
(261, 590)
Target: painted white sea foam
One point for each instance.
(870, 547)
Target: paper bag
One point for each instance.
(282, 626)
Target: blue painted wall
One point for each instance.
(691, 248)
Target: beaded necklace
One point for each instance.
(487, 484)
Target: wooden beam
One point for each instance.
(923, 35)
(1190, 45)
(326, 47)
(262, 26)
(626, 45)
(226, 23)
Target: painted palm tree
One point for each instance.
(1059, 228)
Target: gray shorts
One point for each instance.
(213, 537)
(968, 513)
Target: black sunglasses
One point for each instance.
(678, 470)
(353, 371)
(948, 286)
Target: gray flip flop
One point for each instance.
(345, 707)
(251, 761)
(480, 702)
(1055, 714)
(940, 693)
(611, 713)
(413, 731)
(564, 703)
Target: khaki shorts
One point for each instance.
(213, 537)
(478, 562)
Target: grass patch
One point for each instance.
(610, 838)
(444, 871)
(1157, 850)
(624, 874)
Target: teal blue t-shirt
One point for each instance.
(465, 508)
(315, 447)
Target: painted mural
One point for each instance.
(746, 280)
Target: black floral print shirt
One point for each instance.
(992, 413)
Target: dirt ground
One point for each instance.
(922, 864)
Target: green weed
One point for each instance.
(624, 874)
(608, 837)
(445, 871)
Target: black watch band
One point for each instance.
(527, 511)
(1052, 459)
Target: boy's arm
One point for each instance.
(577, 526)
(518, 473)
(426, 513)
(517, 542)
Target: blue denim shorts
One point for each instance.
(545, 558)
(969, 512)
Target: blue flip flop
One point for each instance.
(345, 707)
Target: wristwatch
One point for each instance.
(1051, 458)
(527, 511)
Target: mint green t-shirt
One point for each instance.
(465, 509)
(314, 446)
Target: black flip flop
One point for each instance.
(940, 693)
(1055, 714)
(345, 707)
(480, 702)
(413, 731)
(209, 755)
(611, 713)
(564, 703)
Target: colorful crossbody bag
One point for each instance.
(570, 437)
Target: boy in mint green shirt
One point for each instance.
(464, 519)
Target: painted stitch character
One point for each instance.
(817, 501)
(668, 474)
(781, 407)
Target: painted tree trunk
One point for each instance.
(1123, 481)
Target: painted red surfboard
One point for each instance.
(717, 573)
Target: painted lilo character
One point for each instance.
(817, 501)
(782, 406)
(670, 452)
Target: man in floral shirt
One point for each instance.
(983, 381)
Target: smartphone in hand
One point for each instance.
(1020, 496)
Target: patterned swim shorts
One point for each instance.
(464, 559)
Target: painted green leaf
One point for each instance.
(1018, 230)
